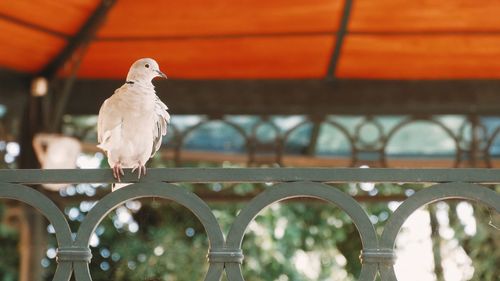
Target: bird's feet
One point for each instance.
(141, 170)
(118, 172)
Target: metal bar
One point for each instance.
(212, 36)
(292, 34)
(217, 197)
(62, 99)
(344, 21)
(427, 33)
(31, 25)
(313, 140)
(207, 175)
(83, 35)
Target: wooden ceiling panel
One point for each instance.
(425, 16)
(25, 49)
(263, 57)
(420, 57)
(220, 17)
(64, 17)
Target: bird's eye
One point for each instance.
(147, 65)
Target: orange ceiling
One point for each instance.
(220, 17)
(25, 49)
(65, 16)
(227, 39)
(420, 57)
(410, 16)
(261, 57)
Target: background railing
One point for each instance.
(225, 253)
(388, 141)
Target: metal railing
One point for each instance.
(225, 253)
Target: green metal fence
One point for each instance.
(225, 253)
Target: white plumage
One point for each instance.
(133, 120)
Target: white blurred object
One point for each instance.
(56, 152)
(39, 87)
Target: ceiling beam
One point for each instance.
(129, 38)
(84, 35)
(337, 49)
(30, 25)
(311, 97)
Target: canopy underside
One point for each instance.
(280, 39)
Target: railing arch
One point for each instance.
(43, 204)
(422, 198)
(225, 254)
(302, 189)
(141, 190)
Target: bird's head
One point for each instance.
(144, 70)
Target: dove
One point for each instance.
(132, 122)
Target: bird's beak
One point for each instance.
(161, 74)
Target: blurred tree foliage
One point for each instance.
(9, 238)
(482, 247)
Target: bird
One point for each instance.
(132, 122)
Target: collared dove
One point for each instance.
(133, 120)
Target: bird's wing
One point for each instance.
(110, 117)
(162, 119)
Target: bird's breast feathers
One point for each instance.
(133, 116)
